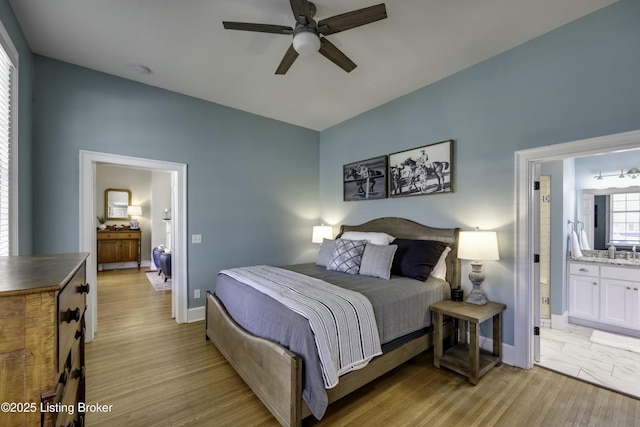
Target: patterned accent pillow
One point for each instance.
(347, 256)
(376, 260)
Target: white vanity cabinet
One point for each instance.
(605, 296)
(620, 296)
(584, 291)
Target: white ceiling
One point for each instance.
(187, 49)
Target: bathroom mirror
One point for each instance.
(596, 214)
(115, 203)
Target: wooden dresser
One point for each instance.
(119, 245)
(42, 325)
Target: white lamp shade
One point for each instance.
(134, 210)
(478, 246)
(306, 43)
(321, 232)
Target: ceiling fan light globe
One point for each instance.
(306, 43)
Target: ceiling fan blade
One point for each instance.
(301, 8)
(260, 28)
(289, 57)
(353, 19)
(335, 55)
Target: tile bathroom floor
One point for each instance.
(569, 351)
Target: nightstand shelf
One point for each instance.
(467, 358)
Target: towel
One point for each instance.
(584, 241)
(575, 246)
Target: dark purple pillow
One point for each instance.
(403, 248)
(416, 258)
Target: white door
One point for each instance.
(536, 265)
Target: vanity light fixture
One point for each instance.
(632, 173)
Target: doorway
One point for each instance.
(178, 171)
(525, 162)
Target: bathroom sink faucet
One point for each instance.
(633, 251)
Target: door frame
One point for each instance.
(525, 161)
(88, 161)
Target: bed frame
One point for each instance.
(275, 374)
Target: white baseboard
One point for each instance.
(122, 265)
(508, 351)
(559, 321)
(196, 314)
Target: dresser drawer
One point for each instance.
(71, 308)
(69, 393)
(118, 235)
(584, 269)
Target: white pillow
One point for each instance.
(371, 237)
(440, 269)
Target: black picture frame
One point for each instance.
(365, 180)
(421, 171)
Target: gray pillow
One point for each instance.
(377, 259)
(326, 250)
(347, 256)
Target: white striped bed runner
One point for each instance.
(342, 320)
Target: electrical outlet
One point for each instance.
(196, 238)
(196, 293)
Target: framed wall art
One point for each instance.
(365, 180)
(422, 170)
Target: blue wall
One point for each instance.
(25, 81)
(578, 81)
(252, 181)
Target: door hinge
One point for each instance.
(536, 330)
(536, 258)
(536, 185)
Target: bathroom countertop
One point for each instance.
(608, 261)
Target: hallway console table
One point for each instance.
(120, 245)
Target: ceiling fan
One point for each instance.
(307, 32)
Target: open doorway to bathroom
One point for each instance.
(566, 344)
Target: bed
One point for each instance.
(278, 375)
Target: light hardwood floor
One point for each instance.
(158, 373)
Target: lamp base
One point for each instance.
(134, 224)
(477, 296)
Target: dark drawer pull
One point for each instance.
(73, 315)
(64, 376)
(83, 289)
(79, 334)
(79, 422)
(78, 373)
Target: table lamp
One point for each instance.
(321, 232)
(134, 212)
(478, 246)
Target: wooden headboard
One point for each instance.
(407, 229)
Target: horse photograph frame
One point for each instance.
(421, 171)
(366, 179)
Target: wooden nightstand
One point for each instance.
(467, 358)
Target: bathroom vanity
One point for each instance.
(605, 293)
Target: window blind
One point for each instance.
(7, 72)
